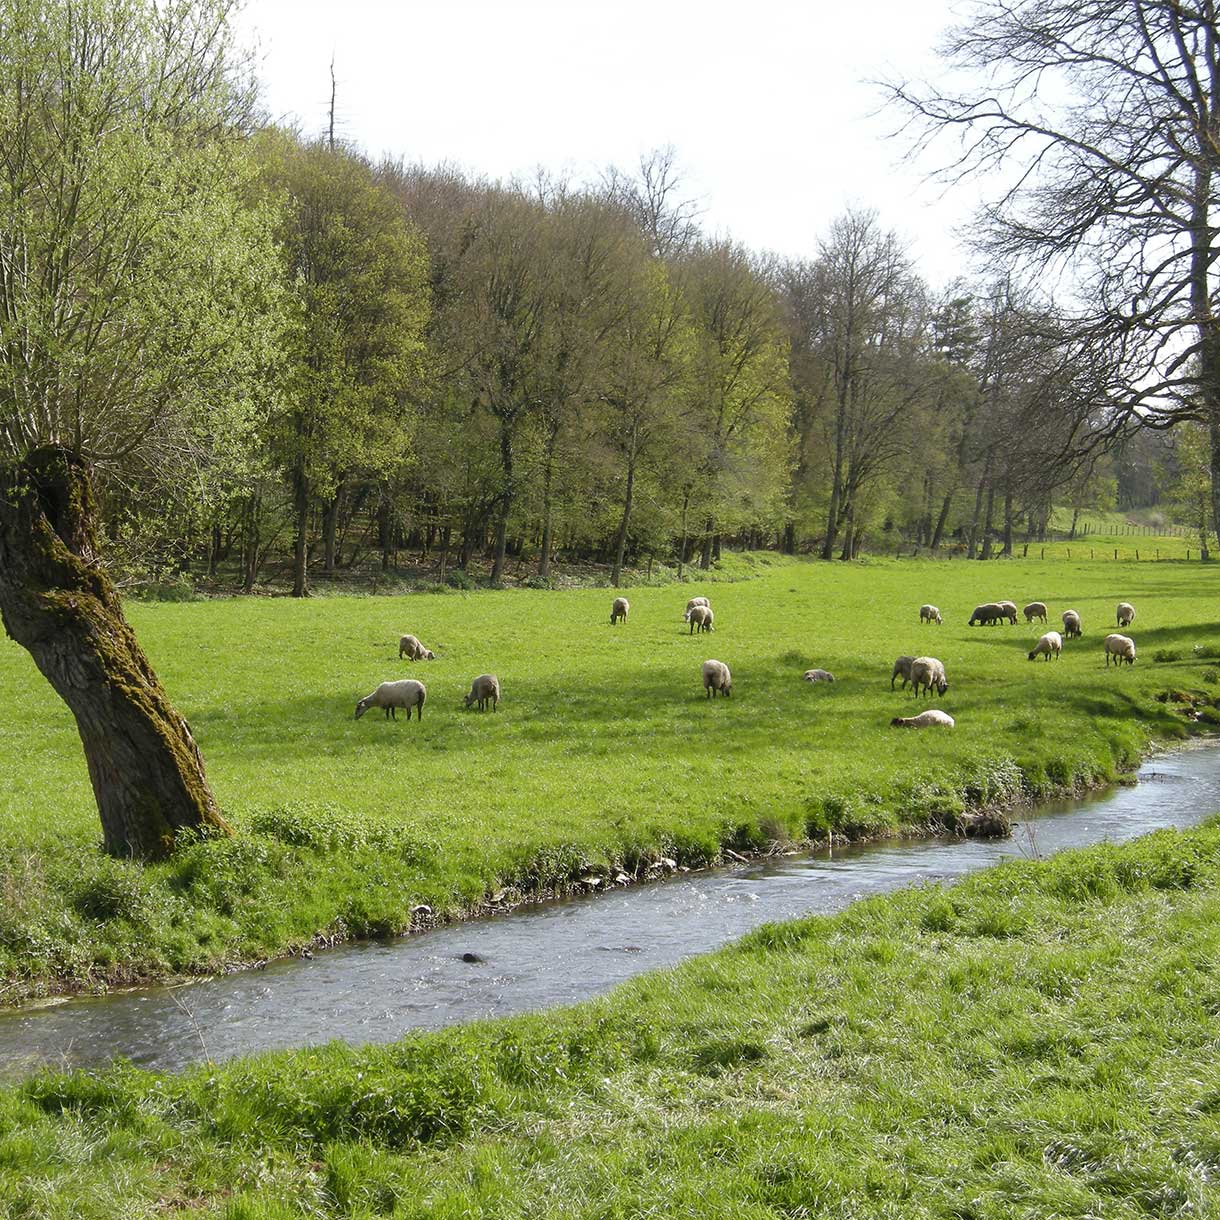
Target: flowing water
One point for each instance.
(556, 952)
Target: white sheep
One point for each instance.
(928, 673)
(1035, 610)
(406, 693)
(485, 687)
(690, 605)
(717, 679)
(414, 650)
(929, 614)
(1009, 611)
(1121, 648)
(1126, 614)
(932, 718)
(1071, 624)
(817, 675)
(699, 617)
(619, 610)
(1050, 645)
(902, 666)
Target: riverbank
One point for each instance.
(603, 761)
(1038, 1038)
(550, 955)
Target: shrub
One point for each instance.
(110, 889)
(1167, 654)
(459, 578)
(178, 589)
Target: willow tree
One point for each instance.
(135, 291)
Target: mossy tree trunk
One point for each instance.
(56, 601)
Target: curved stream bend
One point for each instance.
(558, 952)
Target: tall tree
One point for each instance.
(870, 331)
(503, 288)
(358, 272)
(137, 292)
(740, 390)
(649, 353)
(1101, 120)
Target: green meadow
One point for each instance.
(1037, 1041)
(604, 754)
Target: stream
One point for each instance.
(555, 952)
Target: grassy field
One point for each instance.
(1037, 1041)
(604, 753)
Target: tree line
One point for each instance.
(481, 371)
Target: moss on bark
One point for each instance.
(57, 602)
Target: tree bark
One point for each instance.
(939, 532)
(548, 507)
(682, 545)
(620, 542)
(705, 553)
(985, 553)
(55, 601)
(507, 461)
(300, 555)
(330, 524)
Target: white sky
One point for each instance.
(766, 102)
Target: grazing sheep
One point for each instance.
(925, 720)
(483, 688)
(619, 610)
(902, 666)
(699, 617)
(1126, 614)
(414, 650)
(1009, 611)
(989, 613)
(1050, 645)
(392, 695)
(929, 614)
(716, 678)
(1121, 648)
(928, 673)
(1071, 624)
(817, 675)
(1035, 610)
(690, 605)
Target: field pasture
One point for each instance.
(604, 752)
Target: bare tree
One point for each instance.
(655, 199)
(1102, 119)
(867, 331)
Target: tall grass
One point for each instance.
(1038, 1040)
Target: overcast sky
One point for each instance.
(767, 103)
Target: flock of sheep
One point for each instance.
(923, 674)
(717, 680)
(409, 694)
(926, 674)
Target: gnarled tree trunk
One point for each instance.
(55, 601)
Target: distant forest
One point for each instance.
(469, 373)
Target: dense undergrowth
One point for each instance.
(604, 754)
(1038, 1040)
